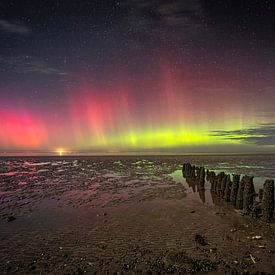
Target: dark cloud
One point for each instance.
(28, 64)
(261, 135)
(13, 28)
(165, 21)
(165, 8)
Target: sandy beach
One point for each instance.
(124, 215)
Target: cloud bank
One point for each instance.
(264, 134)
(13, 28)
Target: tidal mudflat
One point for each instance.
(76, 215)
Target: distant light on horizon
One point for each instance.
(165, 76)
(60, 152)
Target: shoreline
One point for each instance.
(127, 216)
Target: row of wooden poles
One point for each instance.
(240, 192)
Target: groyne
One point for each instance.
(237, 191)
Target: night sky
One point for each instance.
(137, 76)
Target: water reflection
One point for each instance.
(202, 195)
(206, 196)
(193, 193)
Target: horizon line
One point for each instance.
(33, 154)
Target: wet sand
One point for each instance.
(121, 215)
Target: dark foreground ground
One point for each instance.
(122, 215)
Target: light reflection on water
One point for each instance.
(22, 173)
(192, 193)
(206, 196)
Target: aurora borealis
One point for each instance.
(130, 76)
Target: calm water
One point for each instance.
(27, 184)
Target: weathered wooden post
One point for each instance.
(227, 188)
(184, 170)
(194, 172)
(234, 188)
(197, 173)
(207, 175)
(268, 201)
(218, 183)
(239, 200)
(223, 184)
(212, 180)
(215, 184)
(201, 179)
(248, 194)
(187, 171)
(256, 210)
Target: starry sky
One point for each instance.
(137, 76)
